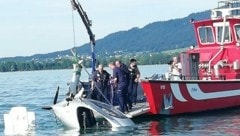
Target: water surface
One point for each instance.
(35, 89)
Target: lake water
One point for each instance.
(35, 89)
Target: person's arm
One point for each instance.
(175, 66)
(115, 76)
(137, 75)
(93, 81)
(179, 66)
(108, 75)
(92, 85)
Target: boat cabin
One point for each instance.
(217, 54)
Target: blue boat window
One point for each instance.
(235, 12)
(206, 35)
(237, 31)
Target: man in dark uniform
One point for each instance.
(134, 78)
(126, 71)
(100, 79)
(120, 78)
(124, 67)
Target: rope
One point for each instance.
(74, 54)
(73, 26)
(97, 88)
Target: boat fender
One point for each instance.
(18, 121)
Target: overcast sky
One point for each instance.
(30, 27)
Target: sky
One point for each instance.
(29, 27)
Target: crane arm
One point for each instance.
(77, 6)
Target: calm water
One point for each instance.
(36, 88)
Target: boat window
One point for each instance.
(206, 35)
(237, 31)
(226, 37)
(219, 13)
(235, 12)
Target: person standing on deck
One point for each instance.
(134, 78)
(120, 78)
(176, 69)
(126, 71)
(100, 79)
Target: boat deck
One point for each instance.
(140, 108)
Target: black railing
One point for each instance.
(182, 77)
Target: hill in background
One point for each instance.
(154, 37)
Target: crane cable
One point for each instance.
(73, 29)
(74, 54)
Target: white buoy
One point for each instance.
(18, 121)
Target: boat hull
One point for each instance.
(68, 113)
(177, 97)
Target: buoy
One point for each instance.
(18, 121)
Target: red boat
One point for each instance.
(210, 71)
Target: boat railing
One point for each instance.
(186, 77)
(227, 8)
(228, 3)
(181, 77)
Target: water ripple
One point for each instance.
(37, 88)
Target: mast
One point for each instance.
(87, 23)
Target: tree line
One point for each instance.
(66, 63)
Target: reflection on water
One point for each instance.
(221, 122)
(217, 123)
(36, 89)
(97, 130)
